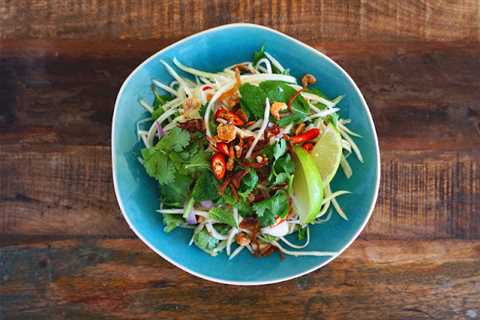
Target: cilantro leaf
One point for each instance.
(260, 54)
(280, 178)
(284, 164)
(269, 237)
(204, 241)
(158, 165)
(268, 151)
(302, 233)
(176, 139)
(248, 184)
(206, 187)
(173, 194)
(282, 169)
(198, 162)
(158, 101)
(257, 55)
(280, 148)
(268, 209)
(222, 216)
(242, 205)
(252, 100)
(171, 221)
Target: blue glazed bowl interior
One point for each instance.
(213, 50)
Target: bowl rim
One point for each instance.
(219, 280)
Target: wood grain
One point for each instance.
(67, 253)
(68, 191)
(422, 97)
(309, 20)
(122, 279)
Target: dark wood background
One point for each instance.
(65, 250)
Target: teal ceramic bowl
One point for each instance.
(215, 49)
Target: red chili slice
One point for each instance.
(308, 146)
(306, 136)
(222, 147)
(219, 165)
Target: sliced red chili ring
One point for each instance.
(219, 166)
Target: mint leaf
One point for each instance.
(280, 91)
(252, 99)
(293, 118)
(171, 221)
(222, 216)
(206, 187)
(317, 91)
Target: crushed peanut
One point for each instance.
(226, 132)
(191, 106)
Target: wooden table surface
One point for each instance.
(66, 251)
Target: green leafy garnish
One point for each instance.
(248, 184)
(293, 118)
(176, 139)
(158, 101)
(158, 166)
(171, 221)
(222, 216)
(302, 233)
(282, 169)
(205, 242)
(269, 237)
(198, 162)
(279, 91)
(268, 209)
(280, 148)
(257, 55)
(241, 204)
(252, 100)
(173, 156)
(173, 194)
(316, 91)
(206, 187)
(260, 54)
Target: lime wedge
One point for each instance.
(327, 153)
(307, 186)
